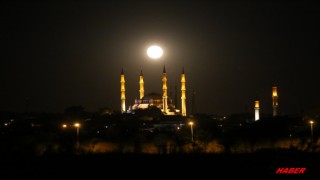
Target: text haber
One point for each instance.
(292, 170)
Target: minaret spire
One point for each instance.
(122, 91)
(183, 94)
(274, 101)
(164, 90)
(256, 110)
(141, 83)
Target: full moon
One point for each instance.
(154, 52)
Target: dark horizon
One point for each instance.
(62, 54)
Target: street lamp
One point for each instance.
(191, 126)
(77, 125)
(311, 127)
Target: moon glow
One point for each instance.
(154, 52)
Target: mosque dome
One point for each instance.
(152, 96)
(153, 99)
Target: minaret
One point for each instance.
(274, 101)
(256, 110)
(164, 90)
(141, 82)
(183, 94)
(123, 92)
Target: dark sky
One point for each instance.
(60, 54)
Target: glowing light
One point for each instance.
(154, 52)
(77, 125)
(274, 91)
(64, 125)
(311, 122)
(256, 104)
(191, 123)
(256, 111)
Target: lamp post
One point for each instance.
(191, 126)
(77, 125)
(311, 128)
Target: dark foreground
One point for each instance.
(262, 165)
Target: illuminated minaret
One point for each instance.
(256, 110)
(275, 101)
(123, 92)
(164, 90)
(141, 82)
(183, 94)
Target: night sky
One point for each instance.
(61, 54)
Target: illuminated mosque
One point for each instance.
(154, 99)
(164, 103)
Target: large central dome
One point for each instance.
(152, 96)
(153, 99)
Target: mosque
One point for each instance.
(164, 102)
(154, 99)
